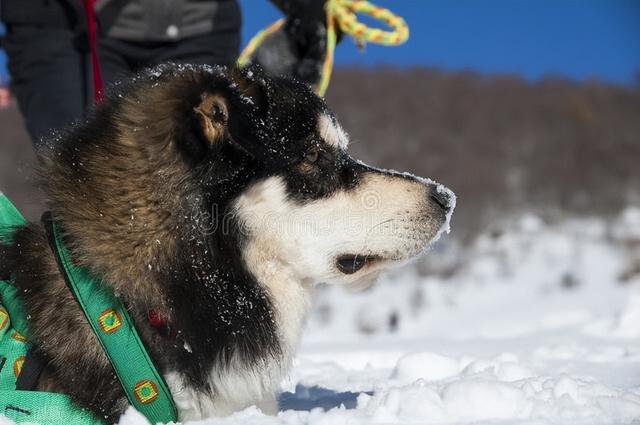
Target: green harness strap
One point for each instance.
(143, 385)
(10, 218)
(43, 408)
(25, 406)
(13, 344)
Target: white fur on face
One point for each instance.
(331, 132)
(384, 216)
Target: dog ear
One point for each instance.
(235, 112)
(211, 116)
(249, 109)
(206, 125)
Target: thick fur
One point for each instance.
(201, 194)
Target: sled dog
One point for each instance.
(210, 201)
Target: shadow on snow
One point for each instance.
(308, 398)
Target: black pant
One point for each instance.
(119, 58)
(50, 71)
(49, 76)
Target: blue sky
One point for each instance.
(577, 39)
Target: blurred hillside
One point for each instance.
(16, 164)
(504, 145)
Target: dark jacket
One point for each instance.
(150, 20)
(133, 20)
(166, 20)
(50, 13)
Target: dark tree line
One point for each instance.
(504, 145)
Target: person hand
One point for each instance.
(5, 97)
(298, 48)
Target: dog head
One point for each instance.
(303, 201)
(237, 160)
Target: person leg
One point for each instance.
(48, 76)
(215, 48)
(114, 61)
(120, 59)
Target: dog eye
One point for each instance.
(312, 156)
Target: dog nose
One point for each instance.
(441, 197)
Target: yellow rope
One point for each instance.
(343, 13)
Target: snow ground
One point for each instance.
(532, 325)
(535, 328)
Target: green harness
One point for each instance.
(140, 380)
